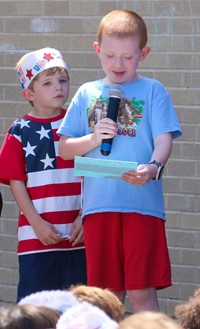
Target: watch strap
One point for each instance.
(160, 166)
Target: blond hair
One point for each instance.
(188, 313)
(150, 320)
(103, 298)
(123, 23)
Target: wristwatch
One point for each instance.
(160, 166)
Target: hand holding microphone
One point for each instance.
(115, 96)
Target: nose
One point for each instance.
(58, 85)
(118, 62)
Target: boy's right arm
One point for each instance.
(69, 147)
(45, 232)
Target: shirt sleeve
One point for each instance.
(12, 163)
(164, 117)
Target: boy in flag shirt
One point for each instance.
(50, 237)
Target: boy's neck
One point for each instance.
(45, 113)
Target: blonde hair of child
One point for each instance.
(150, 320)
(102, 298)
(188, 314)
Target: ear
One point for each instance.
(144, 53)
(28, 94)
(97, 47)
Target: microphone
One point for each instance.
(115, 95)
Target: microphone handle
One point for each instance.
(112, 112)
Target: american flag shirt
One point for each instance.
(30, 153)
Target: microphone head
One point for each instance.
(116, 91)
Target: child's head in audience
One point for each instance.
(59, 300)
(188, 314)
(85, 316)
(103, 298)
(28, 316)
(149, 320)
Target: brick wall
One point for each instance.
(71, 27)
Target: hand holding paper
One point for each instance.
(101, 168)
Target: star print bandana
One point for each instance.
(37, 61)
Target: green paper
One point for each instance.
(101, 168)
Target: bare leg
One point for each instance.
(121, 295)
(143, 300)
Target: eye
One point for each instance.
(65, 80)
(128, 57)
(47, 83)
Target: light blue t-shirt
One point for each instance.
(145, 112)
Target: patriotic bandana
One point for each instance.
(38, 61)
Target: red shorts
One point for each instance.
(126, 251)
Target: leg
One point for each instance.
(121, 295)
(143, 300)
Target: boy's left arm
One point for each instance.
(145, 172)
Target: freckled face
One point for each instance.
(120, 58)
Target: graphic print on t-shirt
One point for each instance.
(129, 114)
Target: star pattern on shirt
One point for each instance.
(47, 161)
(29, 74)
(48, 57)
(43, 132)
(29, 149)
(38, 142)
(24, 123)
